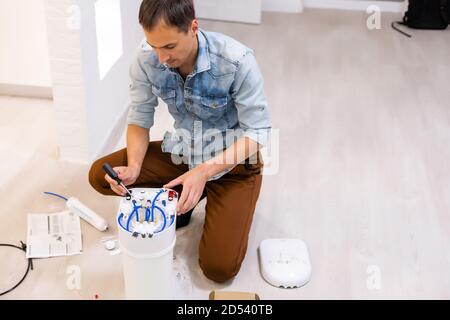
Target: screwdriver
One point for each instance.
(113, 175)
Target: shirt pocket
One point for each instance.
(166, 94)
(210, 108)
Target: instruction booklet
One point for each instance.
(53, 235)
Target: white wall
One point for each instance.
(88, 108)
(282, 5)
(24, 58)
(248, 11)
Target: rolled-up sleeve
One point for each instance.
(143, 101)
(250, 100)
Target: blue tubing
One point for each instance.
(119, 221)
(135, 211)
(164, 218)
(153, 203)
(56, 195)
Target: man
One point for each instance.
(214, 91)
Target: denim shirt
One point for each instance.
(221, 100)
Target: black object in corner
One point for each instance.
(425, 14)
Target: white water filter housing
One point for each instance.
(77, 207)
(146, 225)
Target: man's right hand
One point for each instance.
(128, 175)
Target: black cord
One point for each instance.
(397, 29)
(23, 248)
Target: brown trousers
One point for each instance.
(230, 204)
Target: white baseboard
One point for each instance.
(293, 6)
(360, 5)
(296, 6)
(26, 91)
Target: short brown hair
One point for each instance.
(176, 13)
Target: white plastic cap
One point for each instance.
(110, 245)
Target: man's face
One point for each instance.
(172, 45)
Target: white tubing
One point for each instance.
(87, 214)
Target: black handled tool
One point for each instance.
(113, 175)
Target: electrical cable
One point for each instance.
(30, 264)
(397, 29)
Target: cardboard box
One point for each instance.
(228, 295)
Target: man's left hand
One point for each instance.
(193, 182)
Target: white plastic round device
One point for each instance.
(285, 262)
(110, 244)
